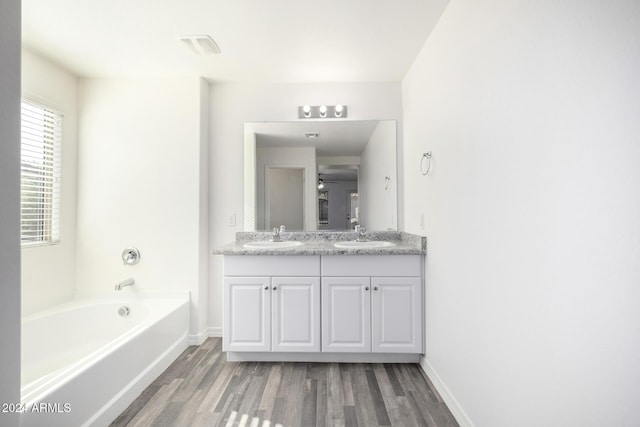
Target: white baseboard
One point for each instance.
(456, 409)
(215, 331)
(200, 337)
(197, 339)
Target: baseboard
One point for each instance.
(199, 338)
(456, 409)
(215, 331)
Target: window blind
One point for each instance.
(40, 169)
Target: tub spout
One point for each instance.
(125, 283)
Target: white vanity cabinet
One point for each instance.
(372, 304)
(331, 308)
(271, 304)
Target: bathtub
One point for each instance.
(83, 362)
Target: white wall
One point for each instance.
(142, 182)
(531, 109)
(9, 208)
(378, 206)
(200, 325)
(234, 104)
(48, 272)
(294, 157)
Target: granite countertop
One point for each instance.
(322, 243)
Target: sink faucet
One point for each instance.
(361, 230)
(277, 233)
(124, 283)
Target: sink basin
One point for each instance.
(364, 245)
(272, 245)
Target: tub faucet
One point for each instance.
(130, 256)
(124, 283)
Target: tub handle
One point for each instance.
(130, 256)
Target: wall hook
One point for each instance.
(425, 169)
(387, 181)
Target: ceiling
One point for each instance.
(261, 41)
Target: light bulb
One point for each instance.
(338, 110)
(306, 110)
(323, 111)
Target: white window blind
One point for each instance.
(40, 169)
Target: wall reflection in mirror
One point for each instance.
(312, 175)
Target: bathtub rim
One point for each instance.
(95, 298)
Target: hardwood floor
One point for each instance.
(202, 389)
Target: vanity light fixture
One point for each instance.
(322, 111)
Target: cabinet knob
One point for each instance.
(266, 288)
(275, 288)
(375, 288)
(366, 288)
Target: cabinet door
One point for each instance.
(295, 314)
(346, 311)
(247, 314)
(396, 314)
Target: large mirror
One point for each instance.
(320, 175)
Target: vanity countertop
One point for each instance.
(323, 243)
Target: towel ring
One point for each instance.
(427, 156)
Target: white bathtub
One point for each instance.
(83, 363)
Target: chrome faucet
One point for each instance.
(125, 283)
(130, 256)
(361, 230)
(277, 233)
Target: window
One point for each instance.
(40, 172)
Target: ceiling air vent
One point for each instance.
(200, 44)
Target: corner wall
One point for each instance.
(9, 209)
(531, 208)
(141, 182)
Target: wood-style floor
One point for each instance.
(202, 389)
